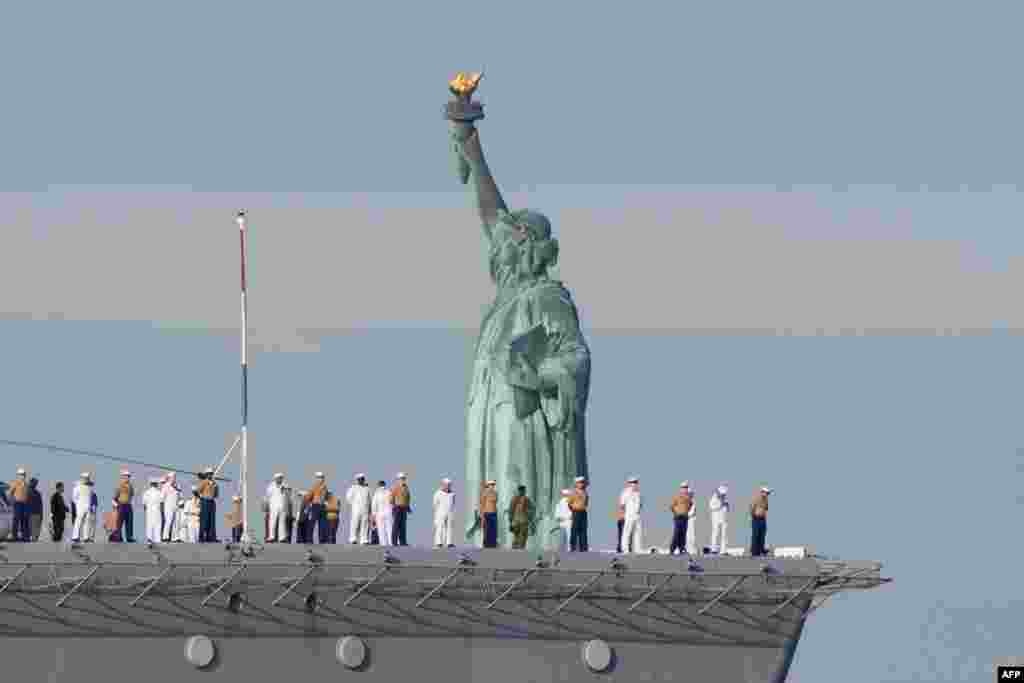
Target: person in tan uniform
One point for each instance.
(759, 521)
(18, 493)
(520, 518)
(315, 502)
(680, 507)
(488, 511)
(620, 522)
(207, 507)
(578, 504)
(401, 506)
(123, 496)
(332, 513)
(235, 519)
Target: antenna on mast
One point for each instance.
(240, 220)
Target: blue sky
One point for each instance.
(716, 175)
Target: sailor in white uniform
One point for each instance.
(277, 505)
(152, 503)
(691, 527)
(380, 508)
(632, 529)
(564, 516)
(192, 517)
(444, 515)
(85, 516)
(358, 497)
(719, 505)
(171, 509)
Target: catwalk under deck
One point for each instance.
(182, 612)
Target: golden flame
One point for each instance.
(464, 83)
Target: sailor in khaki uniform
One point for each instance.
(208, 507)
(680, 507)
(124, 494)
(488, 510)
(759, 521)
(315, 502)
(401, 501)
(520, 517)
(235, 519)
(332, 512)
(578, 503)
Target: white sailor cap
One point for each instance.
(84, 475)
(301, 492)
(236, 498)
(278, 475)
(685, 485)
(489, 482)
(401, 475)
(579, 479)
(632, 480)
(765, 489)
(154, 480)
(361, 475)
(566, 492)
(125, 473)
(318, 475)
(195, 489)
(208, 470)
(723, 489)
(21, 471)
(446, 480)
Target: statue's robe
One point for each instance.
(546, 450)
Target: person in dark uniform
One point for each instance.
(759, 522)
(682, 502)
(578, 503)
(489, 513)
(35, 509)
(620, 523)
(58, 512)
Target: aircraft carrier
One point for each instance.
(182, 612)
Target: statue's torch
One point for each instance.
(462, 111)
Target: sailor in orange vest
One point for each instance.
(124, 494)
(315, 502)
(19, 496)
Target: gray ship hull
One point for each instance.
(182, 612)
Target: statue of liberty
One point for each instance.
(531, 375)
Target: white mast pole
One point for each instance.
(240, 219)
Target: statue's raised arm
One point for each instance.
(470, 164)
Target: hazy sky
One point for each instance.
(735, 170)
